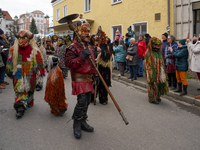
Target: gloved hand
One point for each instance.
(86, 53)
(166, 56)
(97, 80)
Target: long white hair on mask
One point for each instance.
(15, 52)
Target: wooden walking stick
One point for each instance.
(69, 19)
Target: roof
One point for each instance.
(53, 1)
(7, 15)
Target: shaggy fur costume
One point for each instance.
(155, 71)
(55, 91)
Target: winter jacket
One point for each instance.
(127, 42)
(141, 48)
(170, 58)
(1, 59)
(194, 59)
(119, 54)
(181, 58)
(6, 45)
(133, 51)
(164, 43)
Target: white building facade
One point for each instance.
(187, 18)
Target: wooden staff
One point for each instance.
(109, 92)
(95, 91)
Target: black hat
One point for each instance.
(1, 31)
(165, 34)
(146, 35)
(127, 35)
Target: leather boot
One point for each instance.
(77, 129)
(38, 87)
(184, 90)
(20, 112)
(86, 127)
(179, 88)
(159, 100)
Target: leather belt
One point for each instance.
(81, 77)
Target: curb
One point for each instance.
(187, 99)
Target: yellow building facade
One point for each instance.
(144, 16)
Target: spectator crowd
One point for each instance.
(178, 57)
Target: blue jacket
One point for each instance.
(119, 54)
(164, 42)
(170, 58)
(181, 58)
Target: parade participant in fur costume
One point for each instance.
(60, 53)
(24, 62)
(39, 79)
(55, 41)
(82, 72)
(155, 71)
(55, 90)
(49, 46)
(49, 50)
(67, 40)
(104, 67)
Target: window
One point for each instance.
(113, 2)
(41, 21)
(87, 5)
(58, 14)
(140, 28)
(38, 20)
(64, 10)
(34, 15)
(157, 17)
(41, 16)
(114, 29)
(37, 15)
(197, 22)
(41, 26)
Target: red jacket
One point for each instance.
(77, 63)
(141, 48)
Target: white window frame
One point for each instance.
(86, 11)
(139, 23)
(64, 11)
(57, 14)
(114, 3)
(112, 33)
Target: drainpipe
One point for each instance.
(168, 16)
(181, 19)
(175, 26)
(189, 17)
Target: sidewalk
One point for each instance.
(193, 84)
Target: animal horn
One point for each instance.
(32, 35)
(16, 35)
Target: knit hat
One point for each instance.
(130, 31)
(1, 31)
(165, 34)
(182, 42)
